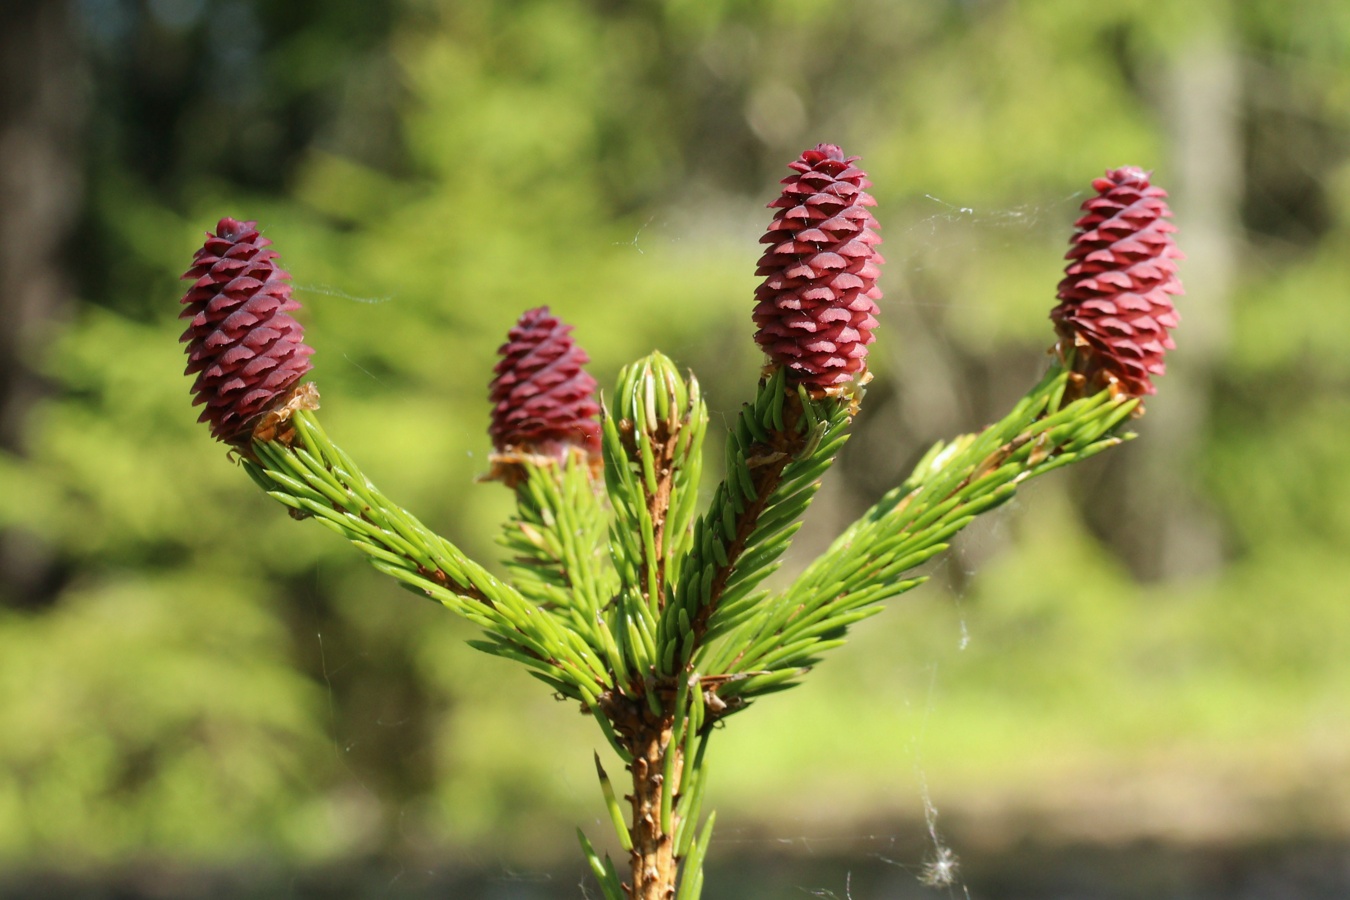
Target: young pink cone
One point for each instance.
(543, 401)
(244, 346)
(817, 305)
(1115, 307)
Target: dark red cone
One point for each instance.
(543, 401)
(245, 348)
(1115, 306)
(817, 305)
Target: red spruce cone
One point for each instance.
(1116, 296)
(543, 401)
(247, 352)
(817, 306)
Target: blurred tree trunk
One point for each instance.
(41, 112)
(1203, 105)
(1207, 135)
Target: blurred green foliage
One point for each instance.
(207, 681)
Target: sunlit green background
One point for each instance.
(1155, 646)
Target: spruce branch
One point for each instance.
(777, 453)
(653, 452)
(557, 540)
(649, 615)
(312, 476)
(873, 559)
(816, 311)
(652, 443)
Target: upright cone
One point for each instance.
(1115, 309)
(243, 345)
(543, 400)
(817, 305)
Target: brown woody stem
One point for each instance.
(648, 737)
(654, 862)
